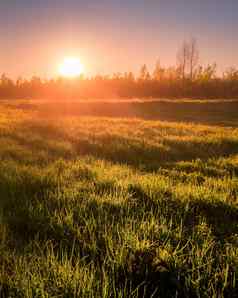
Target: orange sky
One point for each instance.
(109, 36)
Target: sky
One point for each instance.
(113, 35)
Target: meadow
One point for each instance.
(119, 199)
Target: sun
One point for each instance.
(71, 67)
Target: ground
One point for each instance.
(106, 200)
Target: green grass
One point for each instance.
(112, 207)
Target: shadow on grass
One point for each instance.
(29, 214)
(135, 153)
(151, 158)
(213, 113)
(216, 214)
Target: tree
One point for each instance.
(188, 58)
(144, 73)
(231, 74)
(193, 56)
(207, 73)
(158, 73)
(183, 58)
(129, 76)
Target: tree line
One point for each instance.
(187, 79)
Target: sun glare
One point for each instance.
(71, 67)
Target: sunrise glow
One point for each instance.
(71, 67)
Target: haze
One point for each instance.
(112, 36)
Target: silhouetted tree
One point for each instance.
(158, 73)
(183, 59)
(144, 73)
(186, 79)
(193, 55)
(188, 58)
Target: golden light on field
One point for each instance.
(71, 67)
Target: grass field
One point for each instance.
(105, 200)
